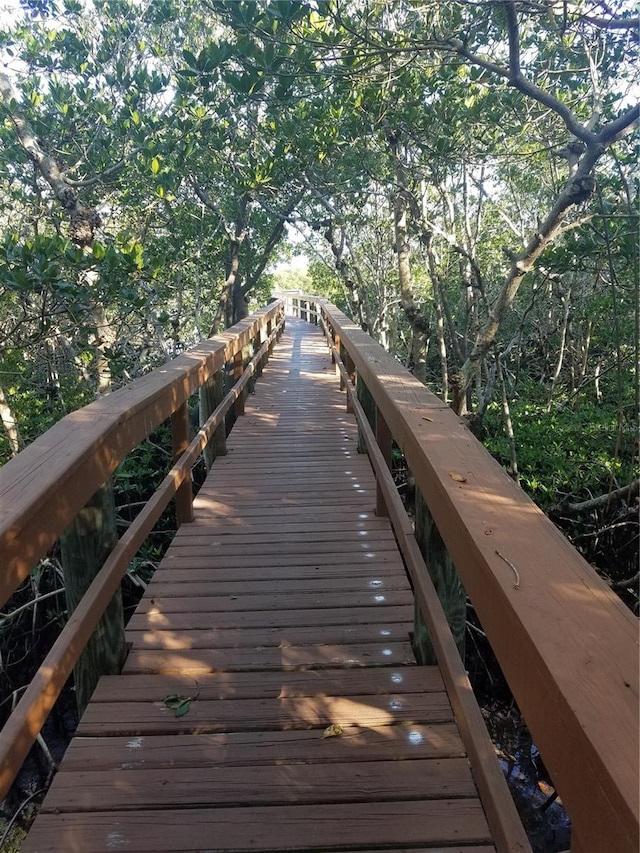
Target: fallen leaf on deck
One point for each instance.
(180, 704)
(457, 477)
(424, 418)
(334, 730)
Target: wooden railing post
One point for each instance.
(257, 343)
(369, 405)
(267, 335)
(336, 341)
(446, 581)
(351, 370)
(238, 369)
(385, 443)
(85, 545)
(211, 394)
(180, 434)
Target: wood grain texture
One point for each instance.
(198, 661)
(380, 617)
(271, 685)
(136, 718)
(293, 828)
(326, 635)
(245, 749)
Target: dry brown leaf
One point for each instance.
(424, 418)
(457, 477)
(334, 730)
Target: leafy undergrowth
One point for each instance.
(571, 456)
(566, 452)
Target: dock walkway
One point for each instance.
(283, 610)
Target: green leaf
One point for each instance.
(155, 165)
(190, 59)
(179, 703)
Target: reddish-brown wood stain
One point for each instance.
(284, 609)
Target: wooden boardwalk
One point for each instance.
(285, 608)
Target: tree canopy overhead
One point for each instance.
(460, 171)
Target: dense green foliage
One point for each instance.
(458, 175)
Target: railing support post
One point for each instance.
(336, 342)
(369, 405)
(446, 581)
(85, 545)
(211, 394)
(238, 370)
(180, 438)
(351, 370)
(385, 443)
(257, 343)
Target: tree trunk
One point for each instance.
(578, 189)
(563, 346)
(10, 425)
(417, 322)
(350, 276)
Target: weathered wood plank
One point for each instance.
(246, 749)
(383, 617)
(285, 828)
(181, 571)
(366, 558)
(305, 712)
(286, 658)
(319, 549)
(286, 527)
(263, 585)
(279, 602)
(271, 685)
(229, 638)
(338, 539)
(209, 507)
(276, 785)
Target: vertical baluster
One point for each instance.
(85, 545)
(446, 581)
(238, 369)
(180, 438)
(211, 394)
(385, 443)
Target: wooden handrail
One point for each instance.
(566, 644)
(505, 825)
(47, 484)
(27, 719)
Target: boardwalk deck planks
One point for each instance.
(283, 609)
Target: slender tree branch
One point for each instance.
(108, 173)
(613, 23)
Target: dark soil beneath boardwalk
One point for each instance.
(543, 816)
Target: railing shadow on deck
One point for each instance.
(566, 644)
(43, 489)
